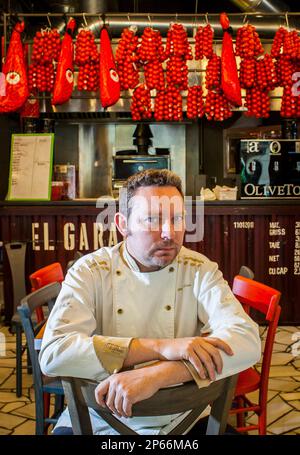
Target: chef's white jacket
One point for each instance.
(105, 301)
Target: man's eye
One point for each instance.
(152, 219)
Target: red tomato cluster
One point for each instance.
(168, 105)
(127, 59)
(151, 53)
(213, 73)
(204, 42)
(195, 104)
(141, 103)
(248, 43)
(257, 103)
(178, 50)
(87, 60)
(177, 42)
(41, 77)
(265, 73)
(290, 104)
(46, 46)
(278, 41)
(177, 73)
(291, 43)
(217, 106)
(257, 74)
(284, 70)
(154, 75)
(247, 72)
(151, 47)
(45, 51)
(286, 51)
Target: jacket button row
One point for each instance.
(120, 311)
(118, 272)
(171, 269)
(168, 307)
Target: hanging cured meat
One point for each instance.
(230, 81)
(109, 79)
(64, 80)
(14, 69)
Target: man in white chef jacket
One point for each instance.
(146, 300)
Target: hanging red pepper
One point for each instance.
(64, 81)
(15, 91)
(230, 81)
(109, 78)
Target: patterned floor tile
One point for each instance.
(290, 396)
(283, 384)
(5, 374)
(284, 337)
(281, 358)
(9, 397)
(27, 381)
(9, 407)
(275, 408)
(296, 405)
(4, 432)
(10, 421)
(286, 423)
(27, 428)
(283, 371)
(26, 411)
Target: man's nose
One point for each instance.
(167, 230)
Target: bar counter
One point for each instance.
(262, 234)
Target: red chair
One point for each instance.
(264, 299)
(49, 274)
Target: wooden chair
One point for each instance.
(255, 295)
(43, 386)
(80, 394)
(49, 274)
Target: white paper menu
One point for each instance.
(30, 167)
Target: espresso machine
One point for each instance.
(129, 162)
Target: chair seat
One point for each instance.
(248, 381)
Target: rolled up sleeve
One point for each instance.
(71, 346)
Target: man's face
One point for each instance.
(155, 227)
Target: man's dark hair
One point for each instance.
(150, 177)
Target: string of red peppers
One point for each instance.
(259, 73)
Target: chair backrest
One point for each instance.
(264, 299)
(46, 295)
(49, 274)
(80, 395)
(246, 272)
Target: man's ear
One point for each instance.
(121, 223)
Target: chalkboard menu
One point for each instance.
(270, 168)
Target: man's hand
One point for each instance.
(120, 391)
(203, 353)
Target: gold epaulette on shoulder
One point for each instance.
(98, 264)
(189, 260)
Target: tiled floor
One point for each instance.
(17, 414)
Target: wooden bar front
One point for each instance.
(264, 235)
